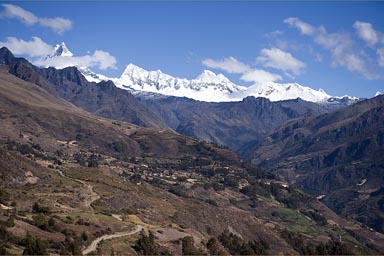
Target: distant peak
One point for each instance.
(207, 72)
(131, 67)
(6, 56)
(208, 76)
(61, 50)
(378, 93)
(131, 70)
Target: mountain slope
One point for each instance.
(65, 170)
(232, 124)
(338, 155)
(103, 99)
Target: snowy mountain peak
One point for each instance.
(131, 69)
(207, 73)
(61, 50)
(212, 87)
(378, 93)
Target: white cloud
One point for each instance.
(230, 65)
(248, 74)
(260, 76)
(39, 50)
(34, 48)
(305, 28)
(274, 34)
(12, 11)
(58, 24)
(380, 54)
(104, 60)
(276, 58)
(366, 32)
(100, 59)
(340, 45)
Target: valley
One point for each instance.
(89, 168)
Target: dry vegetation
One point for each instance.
(68, 177)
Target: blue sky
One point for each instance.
(336, 46)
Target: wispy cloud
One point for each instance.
(248, 74)
(33, 48)
(38, 50)
(380, 54)
(367, 33)
(58, 24)
(340, 45)
(100, 59)
(373, 38)
(230, 65)
(260, 76)
(304, 28)
(276, 58)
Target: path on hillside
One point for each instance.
(90, 197)
(93, 246)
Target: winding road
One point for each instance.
(93, 246)
(91, 197)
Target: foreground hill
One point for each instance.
(337, 156)
(69, 177)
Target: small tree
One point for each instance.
(84, 236)
(145, 245)
(35, 246)
(188, 246)
(3, 250)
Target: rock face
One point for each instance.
(232, 124)
(338, 154)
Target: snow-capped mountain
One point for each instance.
(211, 87)
(60, 50)
(207, 86)
(92, 76)
(277, 91)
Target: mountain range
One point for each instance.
(207, 86)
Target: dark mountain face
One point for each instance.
(103, 99)
(232, 124)
(337, 154)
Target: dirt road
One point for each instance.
(93, 246)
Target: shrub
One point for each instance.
(84, 236)
(145, 245)
(211, 202)
(34, 246)
(188, 246)
(214, 247)
(237, 246)
(4, 196)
